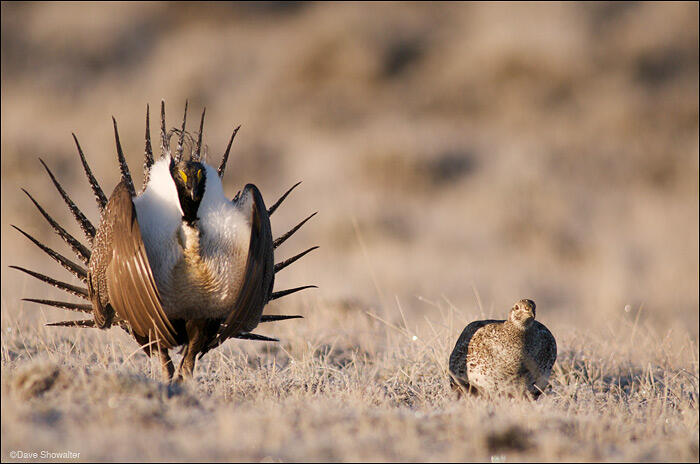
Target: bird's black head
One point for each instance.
(190, 179)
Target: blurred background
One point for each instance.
(465, 153)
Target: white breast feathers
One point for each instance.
(160, 216)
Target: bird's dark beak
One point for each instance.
(192, 188)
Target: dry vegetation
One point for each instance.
(461, 157)
(345, 387)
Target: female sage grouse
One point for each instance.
(179, 264)
(513, 356)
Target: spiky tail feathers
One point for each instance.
(281, 239)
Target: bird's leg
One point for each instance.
(186, 368)
(167, 368)
(197, 340)
(166, 364)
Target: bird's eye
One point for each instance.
(183, 175)
(199, 174)
(517, 307)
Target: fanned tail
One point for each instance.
(280, 240)
(80, 250)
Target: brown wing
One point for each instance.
(259, 274)
(130, 284)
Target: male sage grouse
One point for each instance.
(514, 356)
(177, 264)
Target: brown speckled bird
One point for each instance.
(514, 356)
(177, 265)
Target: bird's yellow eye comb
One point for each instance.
(199, 174)
(183, 176)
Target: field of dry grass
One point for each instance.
(346, 387)
(461, 157)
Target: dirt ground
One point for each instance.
(460, 156)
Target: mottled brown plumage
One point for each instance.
(513, 356)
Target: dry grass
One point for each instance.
(461, 157)
(345, 387)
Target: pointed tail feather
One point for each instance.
(83, 308)
(148, 151)
(85, 224)
(289, 291)
(72, 289)
(126, 175)
(224, 160)
(100, 197)
(198, 153)
(280, 240)
(287, 262)
(88, 324)
(80, 250)
(84, 323)
(164, 142)
(252, 336)
(281, 199)
(69, 265)
(274, 318)
(181, 140)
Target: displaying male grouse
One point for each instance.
(179, 264)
